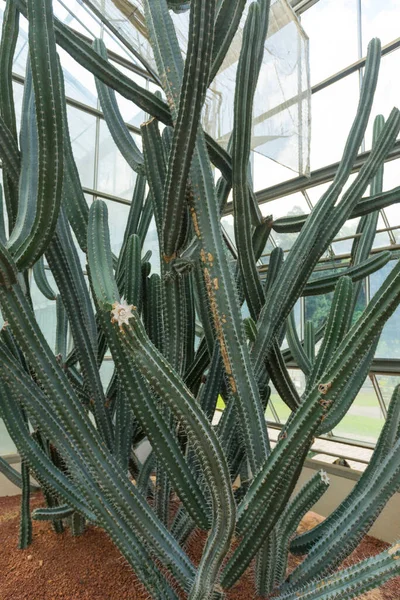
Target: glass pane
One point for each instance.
(79, 83)
(77, 17)
(391, 180)
(317, 307)
(364, 419)
(380, 18)
(288, 206)
(151, 243)
(267, 172)
(117, 219)
(45, 310)
(277, 410)
(82, 129)
(322, 22)
(387, 384)
(114, 175)
(106, 371)
(389, 343)
(333, 112)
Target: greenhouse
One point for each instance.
(199, 299)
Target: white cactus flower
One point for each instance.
(122, 312)
(324, 477)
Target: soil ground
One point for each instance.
(63, 567)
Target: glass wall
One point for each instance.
(105, 174)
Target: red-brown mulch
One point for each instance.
(89, 567)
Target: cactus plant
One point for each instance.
(78, 438)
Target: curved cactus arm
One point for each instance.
(336, 328)
(257, 534)
(25, 524)
(28, 182)
(144, 482)
(387, 439)
(299, 265)
(274, 266)
(38, 460)
(350, 583)
(290, 519)
(187, 119)
(61, 329)
(145, 219)
(48, 104)
(205, 443)
(265, 561)
(261, 236)
(352, 525)
(281, 379)
(326, 284)
(133, 283)
(350, 390)
(309, 341)
(376, 202)
(105, 513)
(55, 513)
(209, 392)
(250, 329)
(9, 152)
(13, 475)
(295, 345)
(246, 82)
(64, 263)
(74, 200)
(227, 22)
(41, 281)
(131, 226)
(367, 226)
(124, 424)
(73, 430)
(9, 37)
(116, 125)
(130, 338)
(363, 207)
(155, 168)
(318, 400)
(143, 402)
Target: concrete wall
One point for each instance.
(386, 528)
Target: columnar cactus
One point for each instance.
(165, 386)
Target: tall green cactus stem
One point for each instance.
(189, 106)
(247, 76)
(25, 528)
(349, 583)
(362, 247)
(388, 437)
(167, 384)
(301, 262)
(45, 76)
(219, 281)
(119, 131)
(9, 37)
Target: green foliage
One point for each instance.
(78, 438)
